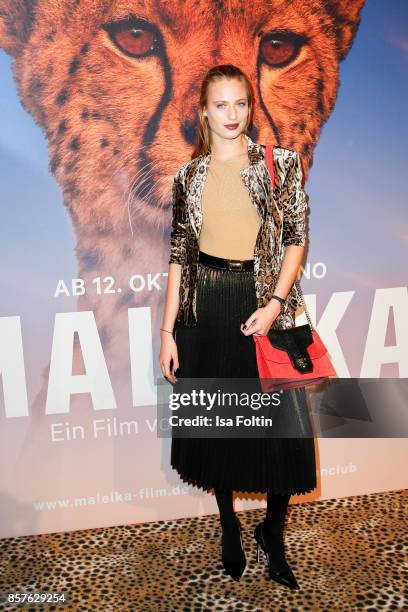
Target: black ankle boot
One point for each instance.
(279, 569)
(233, 556)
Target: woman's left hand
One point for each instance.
(261, 320)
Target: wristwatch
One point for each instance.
(281, 300)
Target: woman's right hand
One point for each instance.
(168, 352)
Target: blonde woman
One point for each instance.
(227, 281)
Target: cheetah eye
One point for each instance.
(134, 37)
(277, 49)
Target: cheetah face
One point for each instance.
(114, 85)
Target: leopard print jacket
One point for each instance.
(282, 211)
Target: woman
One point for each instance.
(228, 280)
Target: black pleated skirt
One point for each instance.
(216, 347)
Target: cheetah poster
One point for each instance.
(97, 114)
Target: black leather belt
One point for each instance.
(226, 264)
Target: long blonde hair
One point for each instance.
(228, 71)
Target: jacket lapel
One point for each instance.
(194, 192)
(256, 177)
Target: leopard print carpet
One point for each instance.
(347, 554)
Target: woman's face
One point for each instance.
(227, 105)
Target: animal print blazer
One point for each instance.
(283, 222)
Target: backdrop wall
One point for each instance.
(97, 114)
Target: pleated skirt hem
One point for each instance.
(231, 486)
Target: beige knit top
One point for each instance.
(230, 221)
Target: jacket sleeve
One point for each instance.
(178, 226)
(295, 205)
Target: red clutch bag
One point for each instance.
(275, 366)
(293, 357)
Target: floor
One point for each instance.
(347, 554)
